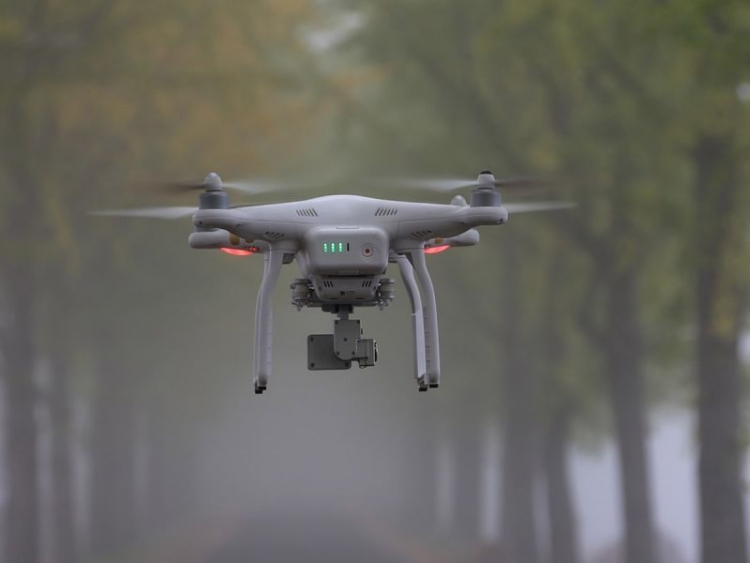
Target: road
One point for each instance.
(319, 538)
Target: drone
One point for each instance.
(343, 245)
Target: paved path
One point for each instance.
(318, 538)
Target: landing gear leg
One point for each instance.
(274, 259)
(412, 290)
(432, 342)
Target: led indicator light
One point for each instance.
(437, 249)
(238, 251)
(336, 247)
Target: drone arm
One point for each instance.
(478, 216)
(469, 238)
(412, 290)
(274, 259)
(429, 311)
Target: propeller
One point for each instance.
(531, 206)
(485, 180)
(149, 212)
(212, 188)
(214, 183)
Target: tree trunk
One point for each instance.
(624, 362)
(560, 408)
(22, 517)
(721, 488)
(720, 304)
(18, 346)
(519, 525)
(418, 498)
(443, 482)
(171, 473)
(162, 509)
(562, 520)
(467, 444)
(519, 537)
(62, 461)
(113, 490)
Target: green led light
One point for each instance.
(335, 247)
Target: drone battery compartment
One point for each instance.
(346, 251)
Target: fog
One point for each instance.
(591, 407)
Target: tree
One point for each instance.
(718, 369)
(560, 401)
(713, 38)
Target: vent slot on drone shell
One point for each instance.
(385, 211)
(422, 234)
(307, 212)
(273, 235)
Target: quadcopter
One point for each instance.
(343, 245)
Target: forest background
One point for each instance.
(129, 428)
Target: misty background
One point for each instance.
(594, 360)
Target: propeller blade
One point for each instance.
(260, 186)
(212, 182)
(265, 185)
(178, 187)
(149, 212)
(538, 206)
(432, 184)
(453, 184)
(175, 186)
(253, 187)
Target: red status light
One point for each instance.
(237, 251)
(437, 249)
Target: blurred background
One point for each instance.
(594, 360)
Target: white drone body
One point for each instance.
(343, 245)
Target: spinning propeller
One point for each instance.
(214, 195)
(483, 186)
(212, 186)
(149, 212)
(214, 183)
(485, 180)
(213, 189)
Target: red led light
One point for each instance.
(437, 249)
(237, 251)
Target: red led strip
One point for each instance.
(237, 251)
(437, 249)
